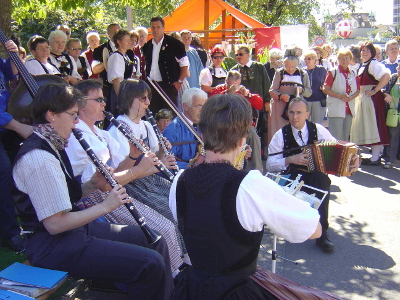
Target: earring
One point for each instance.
(53, 120)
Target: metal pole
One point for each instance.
(129, 17)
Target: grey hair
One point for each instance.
(291, 58)
(142, 29)
(91, 33)
(191, 93)
(275, 52)
(57, 33)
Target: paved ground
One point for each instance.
(364, 220)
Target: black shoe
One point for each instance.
(325, 243)
(368, 161)
(16, 243)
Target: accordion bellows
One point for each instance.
(331, 157)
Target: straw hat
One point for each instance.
(324, 53)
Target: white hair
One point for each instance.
(275, 52)
(92, 33)
(191, 93)
(142, 29)
(57, 33)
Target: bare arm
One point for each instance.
(98, 68)
(22, 129)
(116, 85)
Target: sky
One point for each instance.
(383, 12)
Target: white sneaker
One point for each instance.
(388, 165)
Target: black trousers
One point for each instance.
(320, 181)
(105, 251)
(157, 102)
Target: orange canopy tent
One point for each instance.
(198, 15)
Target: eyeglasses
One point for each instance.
(42, 49)
(308, 58)
(100, 99)
(218, 57)
(74, 49)
(240, 54)
(144, 98)
(74, 115)
(197, 106)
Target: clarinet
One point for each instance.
(159, 135)
(133, 140)
(151, 236)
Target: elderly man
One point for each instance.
(392, 51)
(93, 40)
(297, 133)
(194, 60)
(184, 143)
(143, 33)
(166, 63)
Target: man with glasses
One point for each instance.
(297, 133)
(184, 144)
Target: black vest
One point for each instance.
(84, 73)
(290, 142)
(29, 220)
(128, 64)
(216, 80)
(207, 219)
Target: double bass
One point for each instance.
(19, 104)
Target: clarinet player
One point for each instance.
(300, 132)
(63, 238)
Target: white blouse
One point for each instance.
(57, 63)
(260, 201)
(140, 131)
(35, 67)
(116, 67)
(206, 77)
(102, 143)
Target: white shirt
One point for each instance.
(57, 63)
(276, 163)
(116, 67)
(206, 77)
(155, 73)
(39, 174)
(35, 67)
(104, 146)
(260, 201)
(139, 131)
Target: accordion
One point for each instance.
(331, 157)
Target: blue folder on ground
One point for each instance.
(8, 295)
(20, 274)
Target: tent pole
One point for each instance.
(129, 17)
(223, 23)
(206, 21)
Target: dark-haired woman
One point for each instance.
(126, 168)
(120, 65)
(63, 238)
(40, 49)
(369, 124)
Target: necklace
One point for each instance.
(310, 74)
(219, 161)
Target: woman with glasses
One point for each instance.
(317, 100)
(342, 87)
(127, 167)
(64, 62)
(74, 49)
(215, 74)
(60, 236)
(40, 49)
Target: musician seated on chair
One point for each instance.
(184, 144)
(300, 132)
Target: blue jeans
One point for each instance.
(8, 223)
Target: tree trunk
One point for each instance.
(5, 21)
